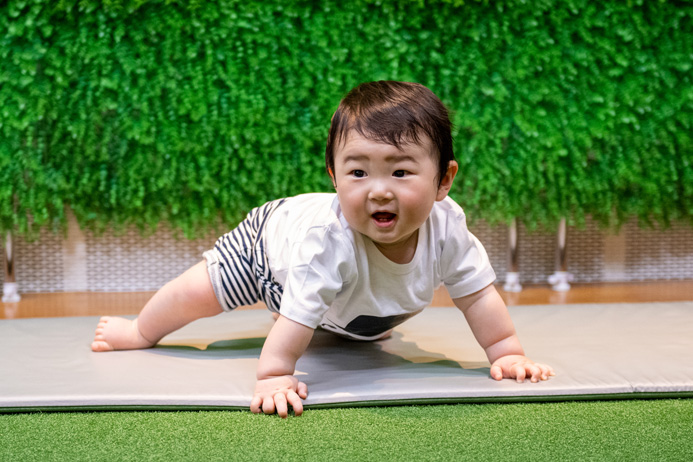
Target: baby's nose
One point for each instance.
(379, 192)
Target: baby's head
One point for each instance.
(394, 113)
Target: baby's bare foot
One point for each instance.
(118, 334)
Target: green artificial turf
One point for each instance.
(592, 430)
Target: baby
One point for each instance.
(356, 263)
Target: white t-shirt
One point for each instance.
(336, 278)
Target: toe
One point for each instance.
(100, 345)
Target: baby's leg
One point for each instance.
(188, 297)
(118, 334)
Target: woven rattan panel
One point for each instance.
(646, 250)
(130, 262)
(39, 264)
(538, 252)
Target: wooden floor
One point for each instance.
(99, 303)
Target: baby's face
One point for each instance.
(387, 193)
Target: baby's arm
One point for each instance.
(490, 322)
(276, 386)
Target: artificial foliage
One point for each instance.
(193, 112)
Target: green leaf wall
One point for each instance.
(191, 113)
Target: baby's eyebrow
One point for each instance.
(355, 158)
(400, 158)
(392, 158)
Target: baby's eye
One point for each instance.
(358, 173)
(399, 174)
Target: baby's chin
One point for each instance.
(396, 240)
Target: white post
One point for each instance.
(512, 277)
(560, 279)
(9, 288)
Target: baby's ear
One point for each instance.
(446, 184)
(334, 182)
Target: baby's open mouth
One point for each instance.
(383, 217)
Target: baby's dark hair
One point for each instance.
(394, 113)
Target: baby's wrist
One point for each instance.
(272, 374)
(509, 346)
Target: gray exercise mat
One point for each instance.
(598, 351)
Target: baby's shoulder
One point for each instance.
(445, 213)
(308, 218)
(305, 211)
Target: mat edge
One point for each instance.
(348, 404)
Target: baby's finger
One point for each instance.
(546, 371)
(268, 406)
(295, 401)
(302, 390)
(281, 406)
(256, 405)
(519, 372)
(496, 373)
(534, 371)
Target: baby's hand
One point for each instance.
(277, 393)
(519, 367)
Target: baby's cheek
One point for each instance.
(417, 207)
